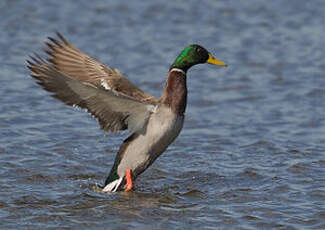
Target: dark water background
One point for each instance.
(250, 156)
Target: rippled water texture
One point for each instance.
(250, 156)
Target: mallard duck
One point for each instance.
(153, 123)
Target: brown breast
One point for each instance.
(175, 92)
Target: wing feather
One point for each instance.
(114, 112)
(74, 63)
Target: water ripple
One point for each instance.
(250, 156)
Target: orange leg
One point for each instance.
(129, 184)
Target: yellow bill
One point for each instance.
(215, 61)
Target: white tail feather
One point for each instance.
(113, 186)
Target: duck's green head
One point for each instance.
(192, 55)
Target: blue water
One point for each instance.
(252, 151)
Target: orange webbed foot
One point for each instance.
(129, 184)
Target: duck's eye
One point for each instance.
(198, 49)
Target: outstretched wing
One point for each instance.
(114, 111)
(74, 63)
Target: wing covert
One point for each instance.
(74, 63)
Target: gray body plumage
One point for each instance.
(161, 130)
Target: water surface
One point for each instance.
(250, 156)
